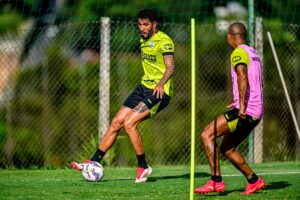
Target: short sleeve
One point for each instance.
(167, 47)
(239, 56)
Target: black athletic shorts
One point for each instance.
(237, 124)
(143, 94)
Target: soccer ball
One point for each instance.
(92, 171)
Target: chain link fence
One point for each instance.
(50, 97)
(279, 130)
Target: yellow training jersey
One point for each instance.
(152, 52)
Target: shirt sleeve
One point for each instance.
(239, 56)
(167, 47)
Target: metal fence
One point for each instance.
(50, 101)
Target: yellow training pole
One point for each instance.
(193, 108)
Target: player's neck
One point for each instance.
(238, 43)
(154, 32)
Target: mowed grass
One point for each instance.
(166, 182)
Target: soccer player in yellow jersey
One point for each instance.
(151, 95)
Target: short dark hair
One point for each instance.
(148, 14)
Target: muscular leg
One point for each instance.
(215, 129)
(109, 137)
(138, 114)
(228, 148)
(112, 132)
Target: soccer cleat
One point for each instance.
(211, 186)
(251, 188)
(142, 174)
(79, 166)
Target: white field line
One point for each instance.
(272, 173)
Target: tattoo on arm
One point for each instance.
(141, 107)
(170, 68)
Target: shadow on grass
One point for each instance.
(215, 194)
(277, 185)
(155, 178)
(184, 176)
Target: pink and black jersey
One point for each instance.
(246, 55)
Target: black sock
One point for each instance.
(216, 178)
(252, 179)
(98, 155)
(142, 161)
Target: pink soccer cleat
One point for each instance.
(142, 174)
(251, 188)
(211, 186)
(79, 166)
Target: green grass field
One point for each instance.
(282, 179)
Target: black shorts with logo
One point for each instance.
(143, 94)
(240, 128)
(236, 123)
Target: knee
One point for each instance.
(129, 126)
(203, 136)
(206, 136)
(117, 123)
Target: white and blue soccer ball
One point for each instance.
(92, 171)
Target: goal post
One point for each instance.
(104, 77)
(258, 131)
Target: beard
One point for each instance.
(145, 37)
(149, 34)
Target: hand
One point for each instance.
(242, 114)
(231, 106)
(159, 91)
(242, 120)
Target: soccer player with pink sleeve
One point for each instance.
(243, 115)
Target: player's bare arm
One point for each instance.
(242, 81)
(170, 68)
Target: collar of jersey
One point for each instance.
(152, 38)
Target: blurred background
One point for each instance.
(66, 66)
